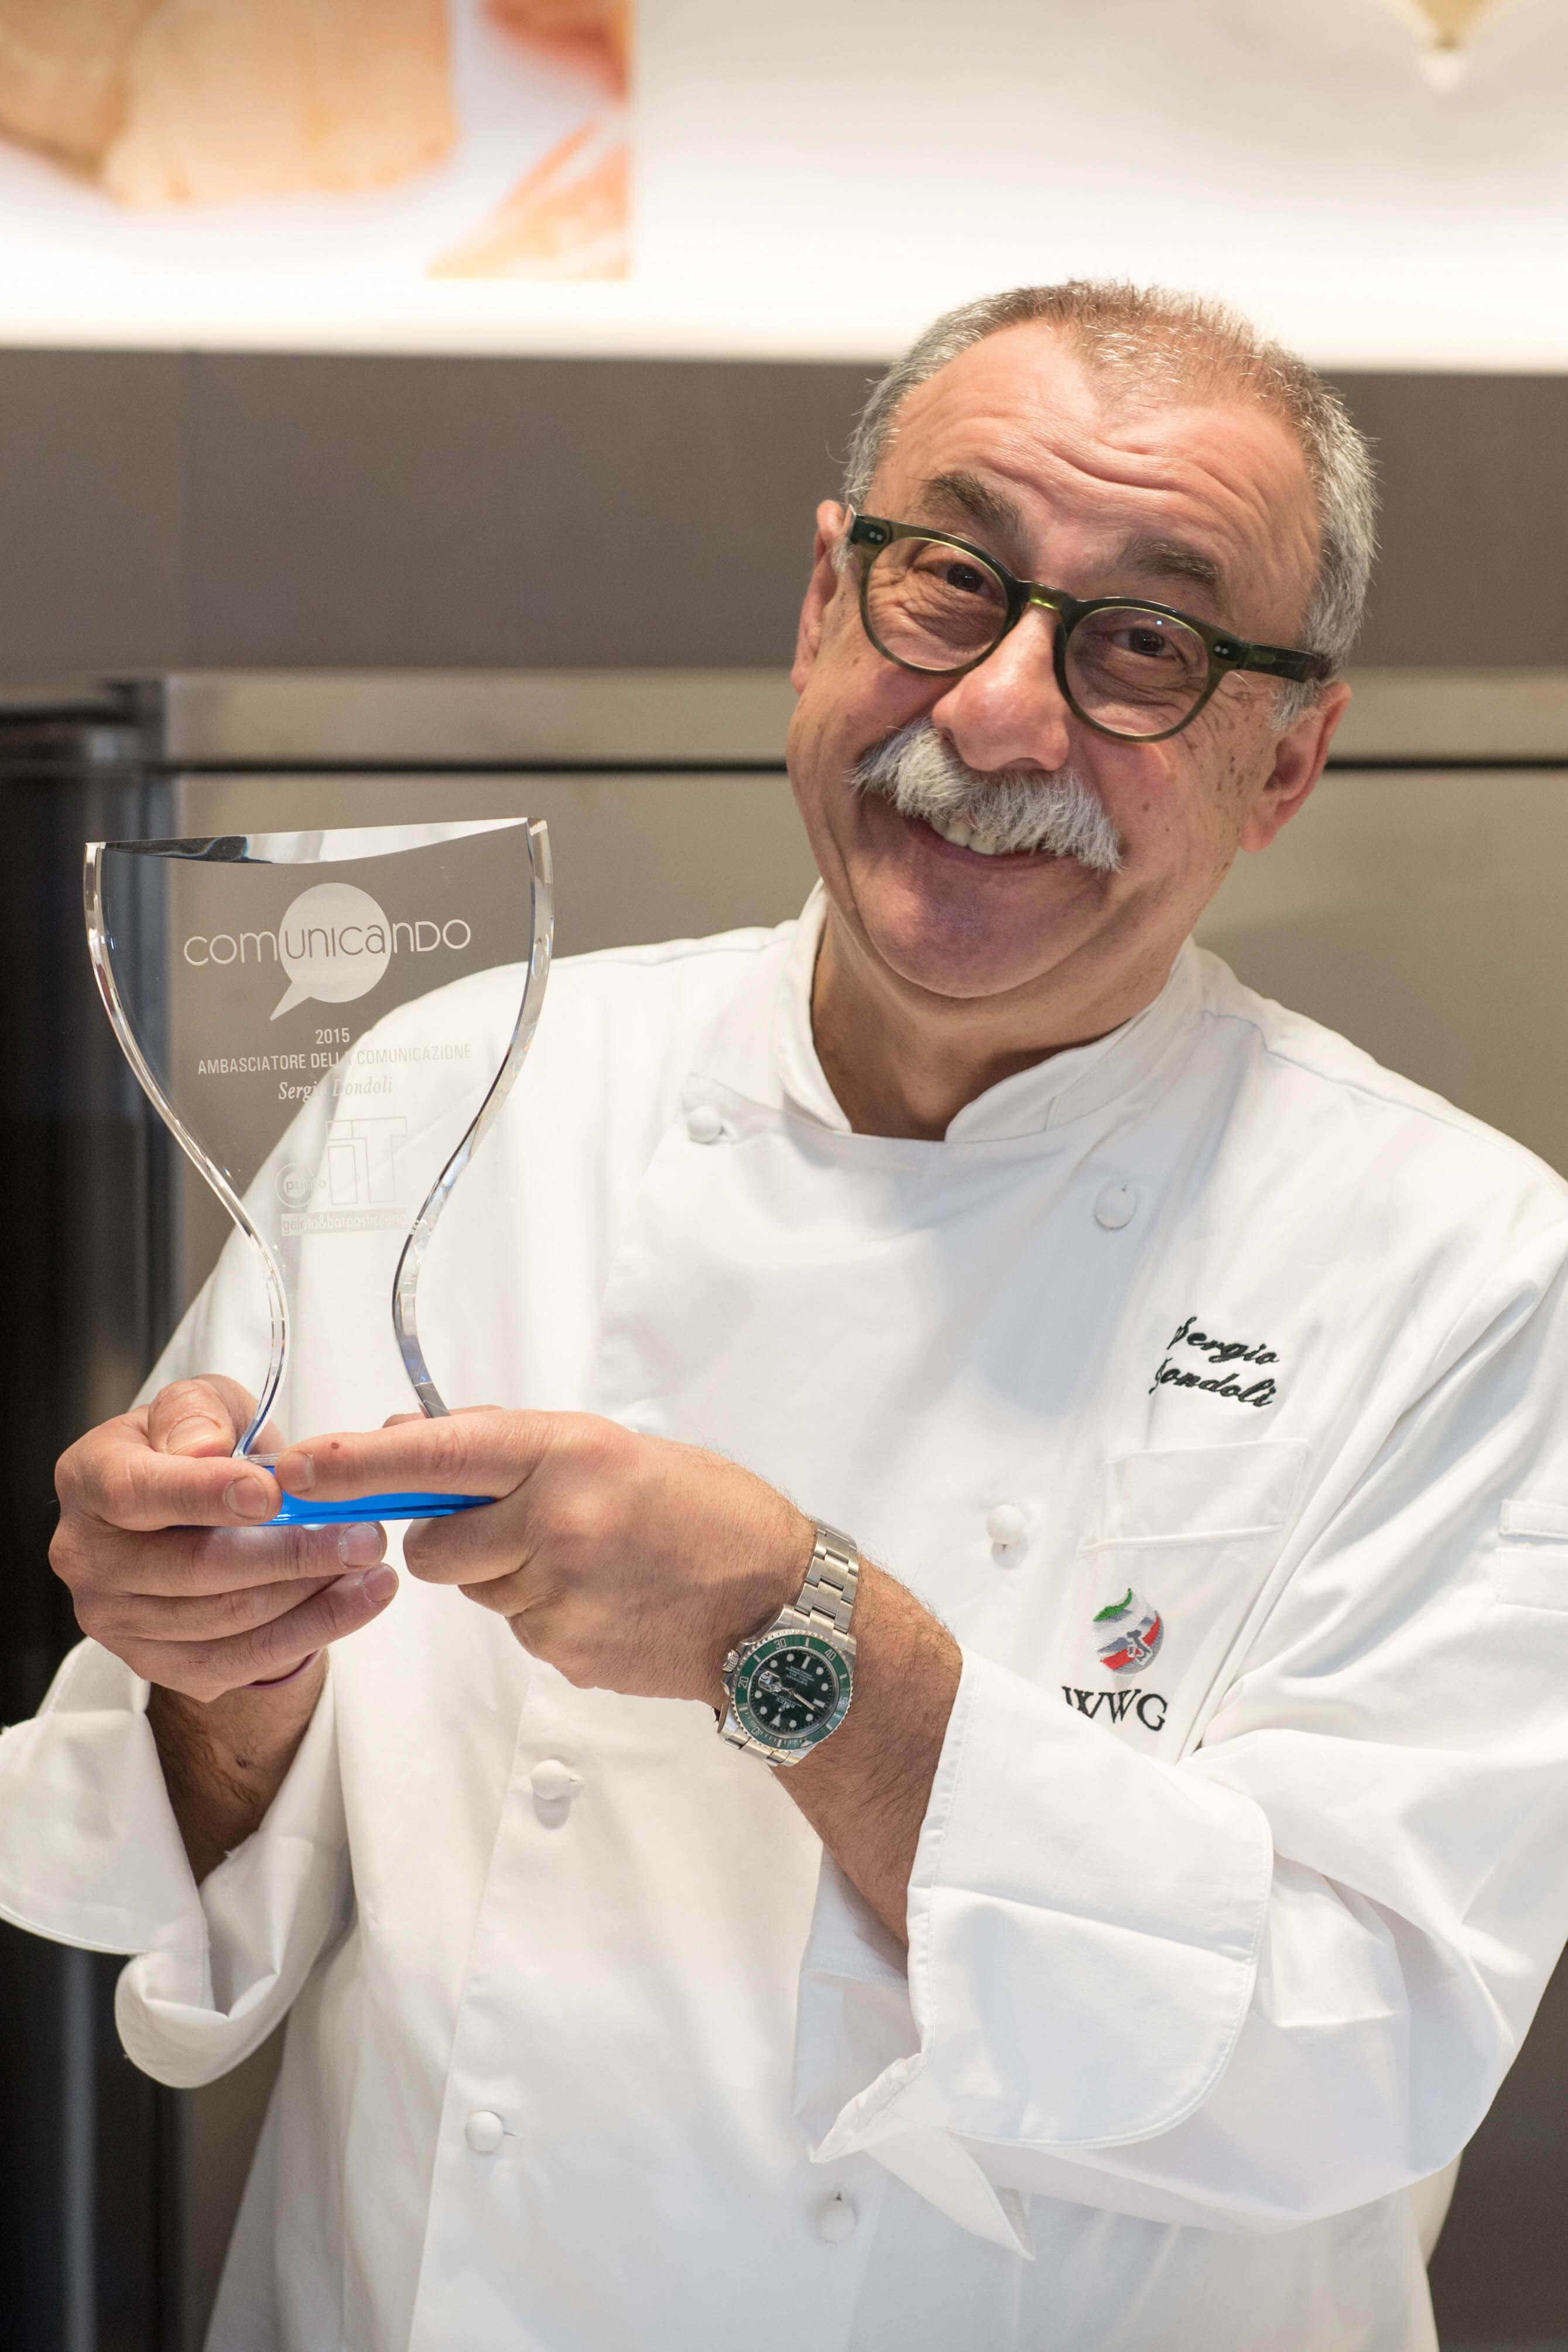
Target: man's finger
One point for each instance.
(200, 1563)
(208, 1415)
(512, 1597)
(116, 1619)
(206, 1669)
(114, 1474)
(471, 1547)
(487, 1452)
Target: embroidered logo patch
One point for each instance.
(1128, 1634)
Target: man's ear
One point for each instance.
(1298, 756)
(819, 592)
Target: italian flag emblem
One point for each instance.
(1128, 1633)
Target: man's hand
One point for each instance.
(163, 1544)
(634, 1564)
(629, 1563)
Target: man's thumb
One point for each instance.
(195, 1417)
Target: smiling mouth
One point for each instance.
(965, 837)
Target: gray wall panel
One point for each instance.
(1475, 518)
(468, 511)
(93, 488)
(239, 511)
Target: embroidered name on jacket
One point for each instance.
(1222, 1353)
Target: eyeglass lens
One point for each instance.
(1131, 671)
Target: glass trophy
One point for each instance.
(328, 1024)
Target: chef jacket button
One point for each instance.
(704, 1124)
(1006, 1525)
(836, 2219)
(484, 2132)
(1115, 1207)
(553, 1782)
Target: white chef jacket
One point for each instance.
(1219, 1945)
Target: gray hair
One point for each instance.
(1161, 345)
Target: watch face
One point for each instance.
(792, 1690)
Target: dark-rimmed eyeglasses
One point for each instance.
(1132, 670)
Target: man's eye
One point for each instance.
(941, 571)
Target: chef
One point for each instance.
(995, 1773)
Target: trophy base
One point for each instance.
(301, 1511)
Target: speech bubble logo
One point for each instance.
(334, 943)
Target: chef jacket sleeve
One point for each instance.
(1284, 1976)
(90, 1854)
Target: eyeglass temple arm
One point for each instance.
(1278, 660)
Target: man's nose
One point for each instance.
(1010, 711)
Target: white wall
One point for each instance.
(816, 179)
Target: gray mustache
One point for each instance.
(921, 776)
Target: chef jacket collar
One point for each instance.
(1067, 1086)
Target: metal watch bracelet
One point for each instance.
(825, 1603)
(828, 1595)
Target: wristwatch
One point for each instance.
(789, 1686)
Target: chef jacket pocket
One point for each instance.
(1190, 1493)
(1530, 1567)
(1186, 1539)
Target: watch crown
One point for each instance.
(730, 1664)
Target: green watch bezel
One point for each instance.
(795, 1743)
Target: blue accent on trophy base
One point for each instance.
(302, 1511)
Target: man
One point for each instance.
(1179, 1881)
